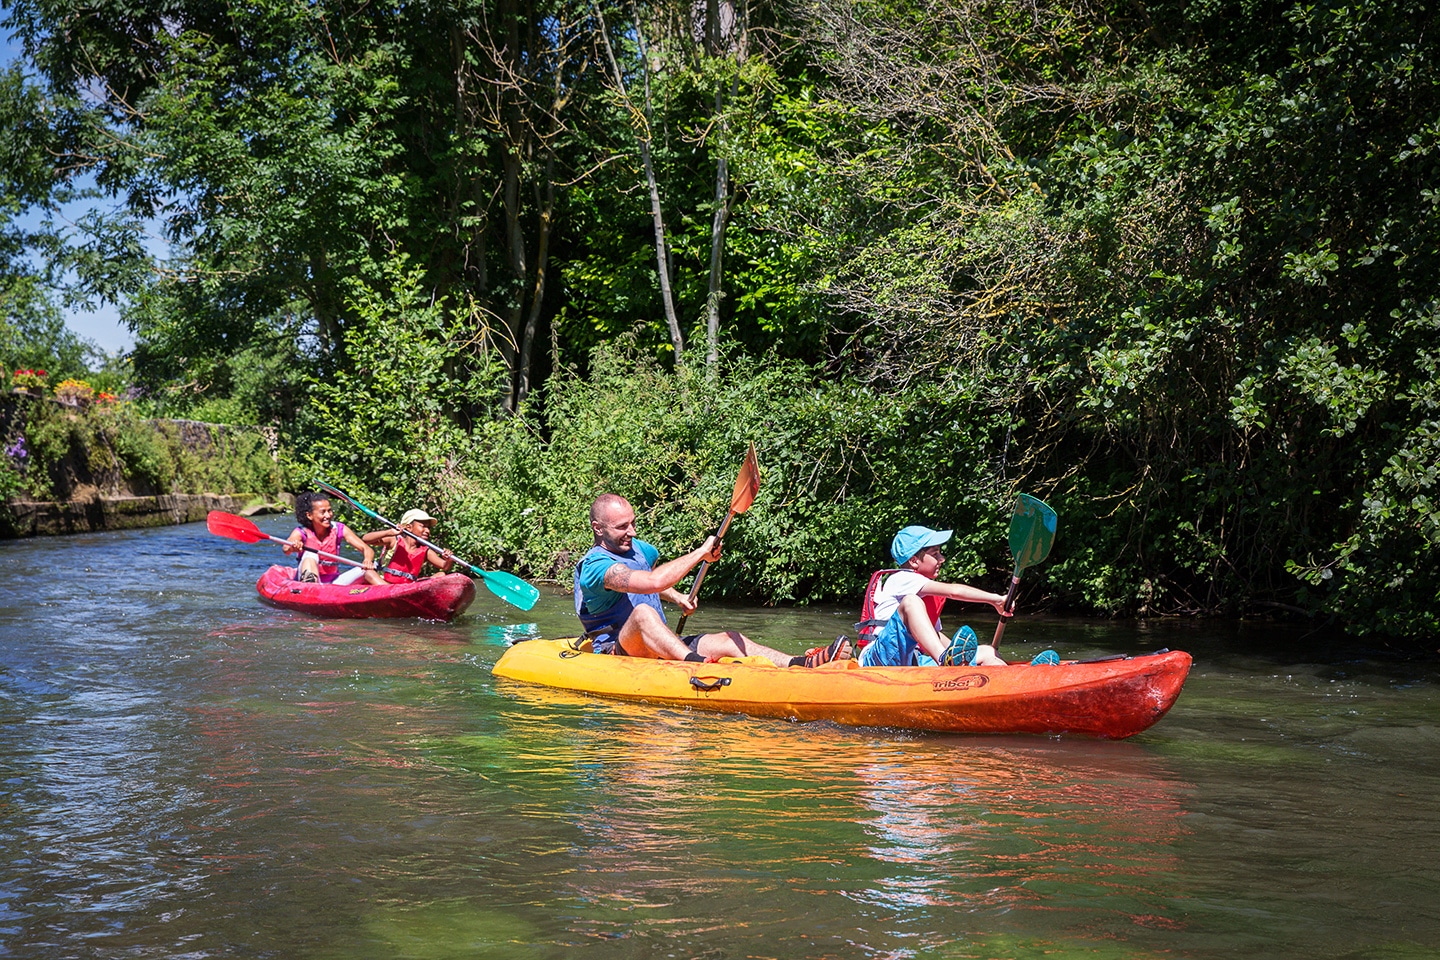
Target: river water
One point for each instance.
(189, 773)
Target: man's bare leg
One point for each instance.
(733, 643)
(645, 635)
(917, 621)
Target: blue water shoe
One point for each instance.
(961, 652)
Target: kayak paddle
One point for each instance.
(235, 527)
(747, 484)
(506, 586)
(1032, 533)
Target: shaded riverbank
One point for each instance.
(191, 772)
(72, 468)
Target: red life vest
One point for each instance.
(406, 562)
(329, 569)
(869, 626)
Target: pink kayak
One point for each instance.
(434, 598)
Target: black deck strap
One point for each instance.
(1113, 656)
(707, 685)
(574, 643)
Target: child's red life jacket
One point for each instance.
(406, 562)
(869, 626)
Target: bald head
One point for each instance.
(607, 503)
(613, 522)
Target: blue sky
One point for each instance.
(102, 326)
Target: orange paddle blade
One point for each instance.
(747, 484)
(224, 524)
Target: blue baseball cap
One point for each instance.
(912, 540)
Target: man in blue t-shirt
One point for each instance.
(618, 589)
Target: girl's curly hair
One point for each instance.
(304, 503)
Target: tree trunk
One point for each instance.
(323, 303)
(517, 135)
(537, 297)
(717, 252)
(514, 310)
(677, 340)
(662, 261)
(716, 292)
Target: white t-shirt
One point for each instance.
(893, 588)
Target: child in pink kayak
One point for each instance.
(318, 530)
(408, 555)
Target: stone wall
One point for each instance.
(46, 518)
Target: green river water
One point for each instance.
(189, 773)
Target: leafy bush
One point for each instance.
(389, 428)
(842, 466)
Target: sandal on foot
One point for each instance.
(962, 649)
(308, 577)
(839, 650)
(1046, 658)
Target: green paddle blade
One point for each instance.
(508, 587)
(1032, 531)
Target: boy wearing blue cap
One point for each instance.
(909, 603)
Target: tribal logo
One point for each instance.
(971, 681)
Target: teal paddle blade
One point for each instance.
(508, 587)
(1032, 531)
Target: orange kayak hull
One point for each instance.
(1111, 699)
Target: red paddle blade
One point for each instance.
(747, 484)
(224, 524)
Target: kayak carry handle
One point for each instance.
(708, 685)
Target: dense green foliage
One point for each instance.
(32, 334)
(841, 466)
(1170, 266)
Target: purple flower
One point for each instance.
(16, 450)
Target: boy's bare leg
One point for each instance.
(917, 621)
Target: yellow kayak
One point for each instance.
(1112, 698)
